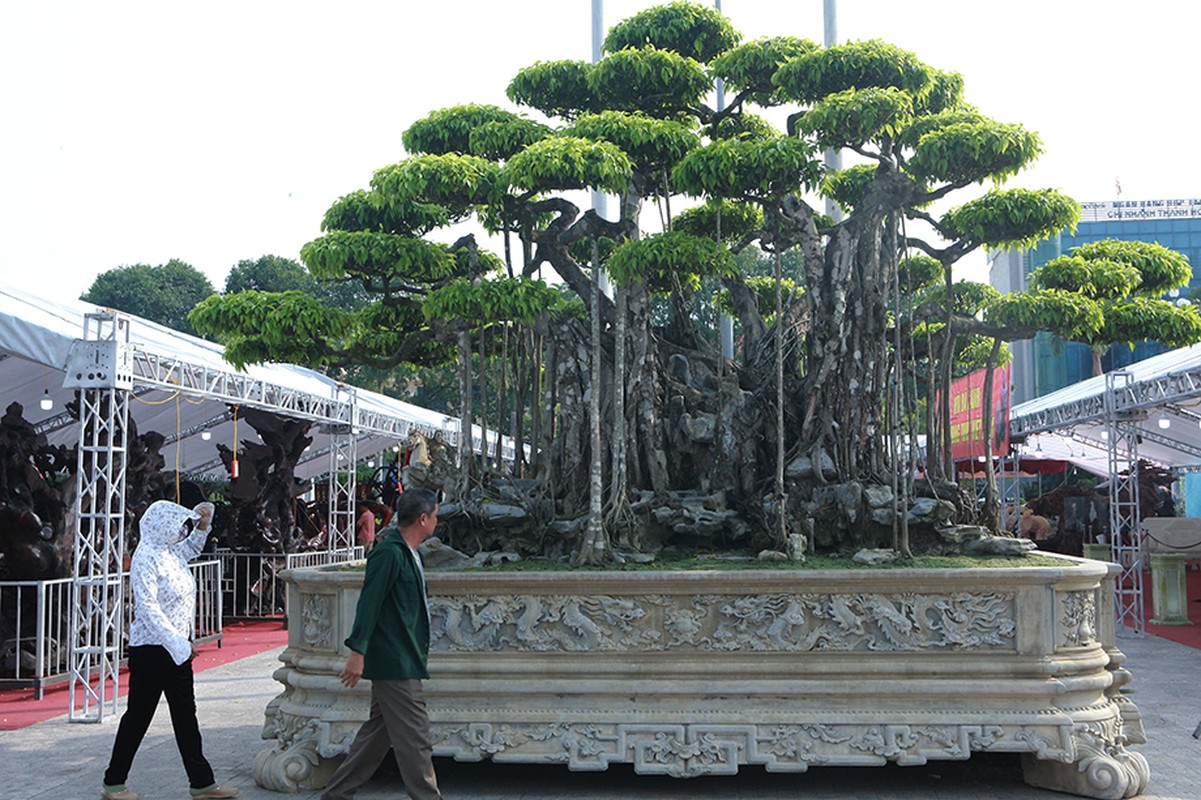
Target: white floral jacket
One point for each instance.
(164, 592)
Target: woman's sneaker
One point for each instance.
(213, 792)
(118, 793)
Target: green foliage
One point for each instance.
(747, 169)
(1068, 315)
(1095, 278)
(856, 65)
(269, 274)
(498, 141)
(1137, 318)
(652, 144)
(563, 163)
(260, 326)
(968, 152)
(744, 126)
(695, 31)
(857, 116)
(920, 126)
(556, 88)
(448, 130)
(735, 219)
(361, 211)
(849, 186)
(750, 66)
(581, 249)
(657, 82)
(974, 353)
(918, 272)
(943, 93)
(163, 294)
(655, 259)
(479, 303)
(1012, 218)
(383, 328)
(360, 254)
(456, 182)
(764, 289)
(970, 297)
(1161, 269)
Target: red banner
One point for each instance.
(967, 414)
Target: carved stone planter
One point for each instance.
(695, 673)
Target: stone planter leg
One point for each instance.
(1103, 770)
(1170, 595)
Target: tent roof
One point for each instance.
(183, 388)
(1163, 393)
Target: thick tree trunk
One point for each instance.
(595, 547)
(466, 422)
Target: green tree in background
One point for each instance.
(164, 294)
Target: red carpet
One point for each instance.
(19, 708)
(1185, 634)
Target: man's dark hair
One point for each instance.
(412, 503)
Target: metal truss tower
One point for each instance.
(1125, 518)
(100, 366)
(343, 462)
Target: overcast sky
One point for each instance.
(137, 132)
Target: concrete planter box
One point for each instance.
(697, 673)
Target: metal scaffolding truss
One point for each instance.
(1125, 523)
(1148, 392)
(99, 366)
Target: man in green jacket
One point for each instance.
(389, 645)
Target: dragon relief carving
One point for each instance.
(769, 623)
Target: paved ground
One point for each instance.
(57, 760)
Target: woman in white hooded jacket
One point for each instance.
(160, 646)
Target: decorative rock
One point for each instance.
(679, 369)
(878, 497)
(773, 555)
(930, 511)
(849, 497)
(503, 558)
(883, 516)
(632, 556)
(501, 513)
(873, 557)
(436, 555)
(700, 428)
(802, 466)
(998, 546)
(796, 547)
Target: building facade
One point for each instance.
(1046, 363)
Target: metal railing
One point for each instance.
(36, 652)
(251, 583)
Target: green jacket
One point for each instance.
(391, 625)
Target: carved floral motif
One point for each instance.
(1079, 619)
(317, 619)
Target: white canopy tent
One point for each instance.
(1149, 410)
(183, 389)
(1161, 397)
(122, 367)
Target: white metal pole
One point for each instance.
(833, 157)
(600, 201)
(725, 321)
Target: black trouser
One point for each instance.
(152, 673)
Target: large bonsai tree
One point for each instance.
(639, 432)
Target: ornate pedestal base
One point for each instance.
(688, 674)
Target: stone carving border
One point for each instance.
(784, 623)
